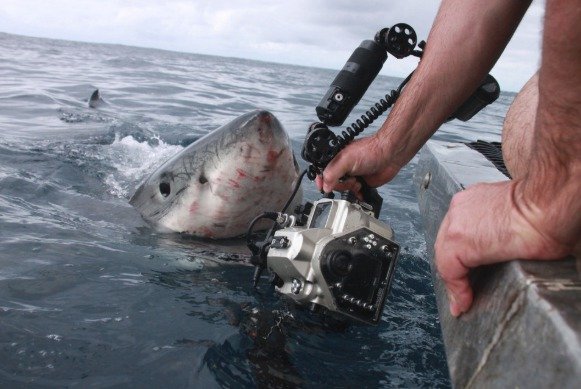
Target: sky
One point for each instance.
(320, 33)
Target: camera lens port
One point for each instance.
(341, 262)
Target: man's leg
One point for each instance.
(518, 129)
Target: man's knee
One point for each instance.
(518, 129)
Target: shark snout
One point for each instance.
(270, 131)
(265, 117)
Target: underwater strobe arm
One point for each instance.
(321, 144)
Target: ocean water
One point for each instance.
(92, 296)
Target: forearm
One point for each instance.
(466, 40)
(548, 195)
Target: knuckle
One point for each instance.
(457, 199)
(439, 259)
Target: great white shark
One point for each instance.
(218, 184)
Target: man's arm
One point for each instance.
(537, 216)
(551, 189)
(466, 39)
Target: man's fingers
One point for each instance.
(460, 295)
(452, 270)
(455, 277)
(319, 182)
(362, 158)
(339, 167)
(346, 183)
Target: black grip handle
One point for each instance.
(371, 196)
(485, 94)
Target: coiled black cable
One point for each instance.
(370, 116)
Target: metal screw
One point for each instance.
(426, 180)
(296, 286)
(388, 253)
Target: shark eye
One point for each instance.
(164, 189)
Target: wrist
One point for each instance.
(546, 216)
(392, 150)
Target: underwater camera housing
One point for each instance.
(340, 260)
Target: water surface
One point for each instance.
(90, 295)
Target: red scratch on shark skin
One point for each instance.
(233, 183)
(242, 173)
(222, 195)
(259, 178)
(207, 233)
(273, 156)
(194, 207)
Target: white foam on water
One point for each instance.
(133, 160)
(55, 337)
(128, 279)
(17, 306)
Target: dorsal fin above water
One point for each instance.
(95, 100)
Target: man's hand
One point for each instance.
(485, 224)
(367, 158)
